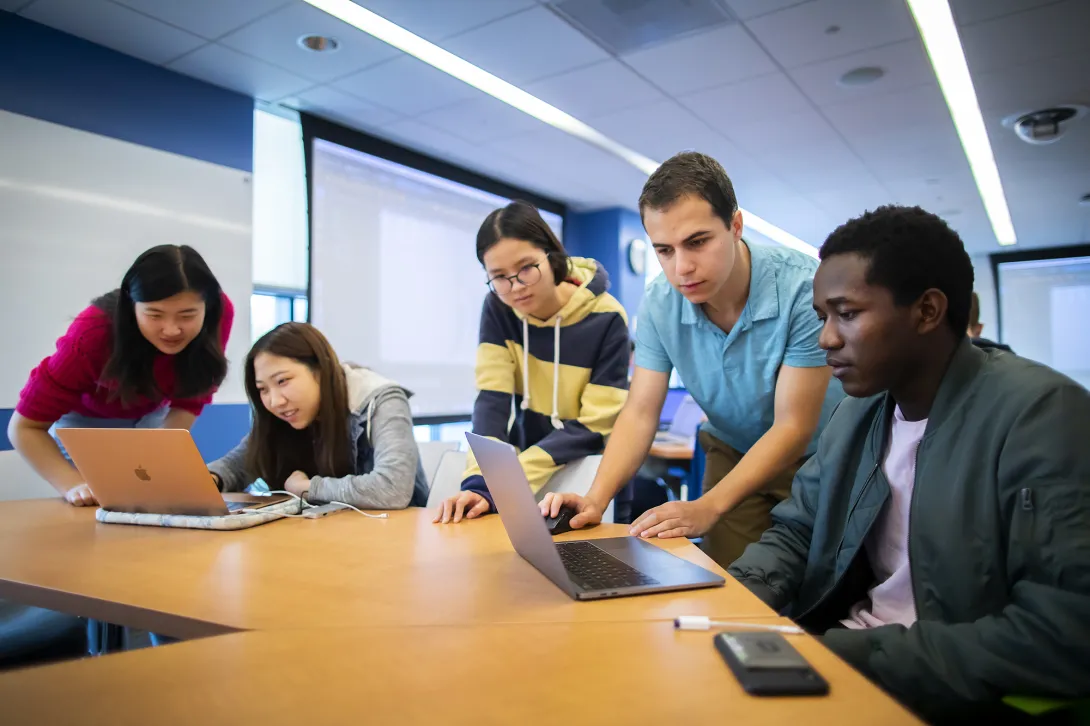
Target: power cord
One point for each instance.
(303, 504)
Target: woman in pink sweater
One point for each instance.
(149, 354)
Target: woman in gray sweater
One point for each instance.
(323, 430)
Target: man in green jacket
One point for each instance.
(939, 539)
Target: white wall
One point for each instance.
(985, 289)
(76, 210)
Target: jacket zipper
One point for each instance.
(839, 547)
(862, 492)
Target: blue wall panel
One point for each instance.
(53, 76)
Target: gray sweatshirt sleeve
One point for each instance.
(231, 468)
(390, 484)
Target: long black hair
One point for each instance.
(157, 274)
(521, 220)
(275, 449)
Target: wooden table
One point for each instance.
(679, 452)
(339, 572)
(585, 673)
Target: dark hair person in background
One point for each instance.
(148, 354)
(553, 340)
(323, 430)
(939, 536)
(976, 328)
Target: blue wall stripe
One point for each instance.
(60, 78)
(218, 429)
(5, 417)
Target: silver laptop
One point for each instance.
(683, 427)
(157, 471)
(585, 569)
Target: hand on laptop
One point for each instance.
(80, 496)
(588, 512)
(675, 519)
(469, 505)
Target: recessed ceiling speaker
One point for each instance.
(1045, 126)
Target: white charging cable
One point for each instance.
(303, 504)
(702, 622)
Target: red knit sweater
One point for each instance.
(70, 379)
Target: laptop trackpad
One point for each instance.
(668, 569)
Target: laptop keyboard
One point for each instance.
(591, 568)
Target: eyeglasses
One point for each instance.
(503, 284)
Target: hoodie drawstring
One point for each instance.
(555, 417)
(525, 365)
(557, 423)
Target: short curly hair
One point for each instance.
(910, 250)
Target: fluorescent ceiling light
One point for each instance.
(940, 38)
(433, 55)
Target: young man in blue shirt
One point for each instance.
(737, 322)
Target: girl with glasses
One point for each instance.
(552, 363)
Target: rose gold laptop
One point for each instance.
(154, 471)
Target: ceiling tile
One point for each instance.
(789, 211)
(482, 120)
(408, 86)
(799, 35)
(596, 90)
(949, 198)
(561, 187)
(435, 20)
(1016, 159)
(207, 18)
(967, 12)
(1041, 84)
(810, 168)
(943, 159)
(230, 69)
(341, 107)
(1013, 40)
(273, 39)
(849, 202)
(427, 139)
(696, 62)
(557, 152)
(909, 119)
(115, 27)
(526, 46)
(746, 9)
(758, 135)
(660, 130)
(773, 94)
(905, 65)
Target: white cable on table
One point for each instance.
(702, 622)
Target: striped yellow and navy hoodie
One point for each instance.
(573, 365)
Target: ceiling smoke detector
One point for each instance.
(1044, 126)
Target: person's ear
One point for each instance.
(930, 311)
(737, 224)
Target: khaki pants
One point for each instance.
(744, 524)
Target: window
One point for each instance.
(270, 308)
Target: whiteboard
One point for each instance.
(77, 208)
(395, 282)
